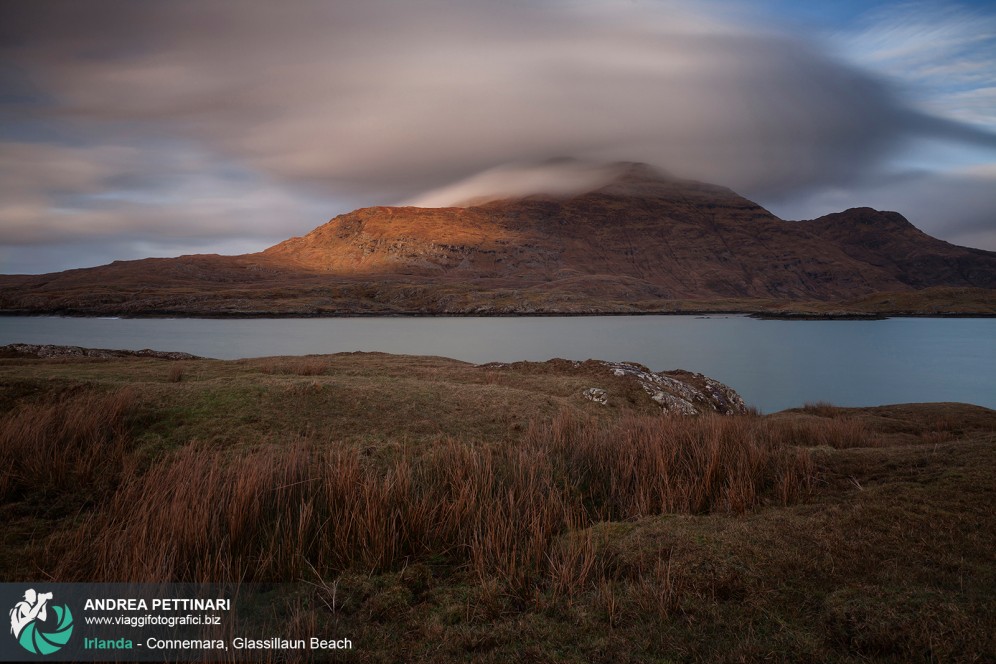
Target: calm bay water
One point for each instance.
(773, 364)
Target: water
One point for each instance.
(773, 364)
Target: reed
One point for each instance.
(72, 444)
(176, 372)
(502, 511)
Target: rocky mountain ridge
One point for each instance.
(643, 242)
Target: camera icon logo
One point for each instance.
(30, 624)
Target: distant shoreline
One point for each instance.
(758, 315)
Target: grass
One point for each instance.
(203, 514)
(73, 444)
(176, 373)
(443, 512)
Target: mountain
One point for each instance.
(643, 241)
(888, 241)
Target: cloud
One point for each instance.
(388, 100)
(943, 54)
(52, 193)
(557, 177)
(91, 252)
(375, 102)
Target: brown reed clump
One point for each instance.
(837, 432)
(175, 372)
(645, 465)
(72, 444)
(821, 409)
(501, 510)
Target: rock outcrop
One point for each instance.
(49, 351)
(676, 392)
(682, 392)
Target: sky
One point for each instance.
(135, 129)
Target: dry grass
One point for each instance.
(277, 512)
(175, 373)
(839, 432)
(821, 409)
(823, 424)
(296, 366)
(74, 444)
(569, 532)
(658, 465)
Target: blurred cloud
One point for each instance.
(57, 193)
(222, 119)
(942, 53)
(556, 177)
(83, 252)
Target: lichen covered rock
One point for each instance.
(596, 394)
(682, 392)
(617, 383)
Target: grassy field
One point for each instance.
(440, 511)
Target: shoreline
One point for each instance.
(757, 315)
(62, 353)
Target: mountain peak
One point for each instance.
(637, 171)
(869, 216)
(866, 221)
(639, 181)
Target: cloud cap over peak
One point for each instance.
(377, 102)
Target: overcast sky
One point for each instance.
(133, 129)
